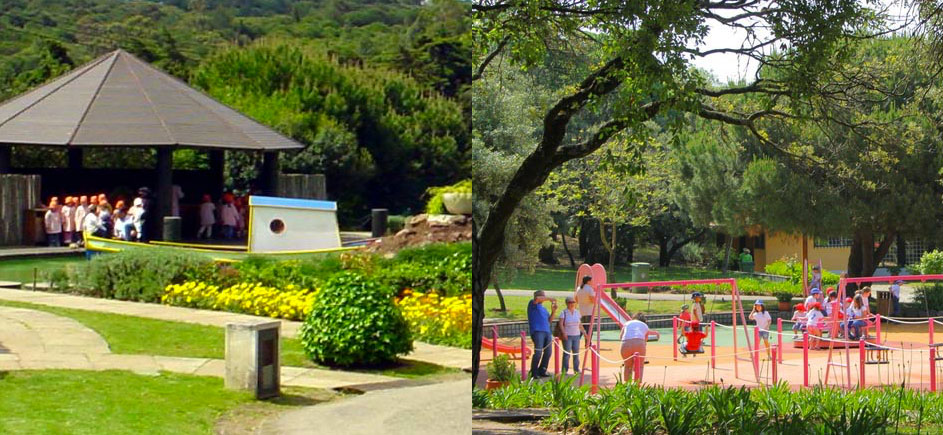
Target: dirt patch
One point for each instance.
(248, 418)
(425, 229)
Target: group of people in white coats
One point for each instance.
(65, 223)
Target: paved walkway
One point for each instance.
(31, 251)
(436, 409)
(37, 340)
(441, 355)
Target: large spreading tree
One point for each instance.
(647, 48)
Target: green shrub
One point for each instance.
(929, 296)
(444, 268)
(931, 263)
(501, 369)
(792, 268)
(435, 205)
(355, 323)
(395, 223)
(141, 274)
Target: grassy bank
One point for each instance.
(82, 402)
(138, 335)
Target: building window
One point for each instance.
(759, 242)
(832, 242)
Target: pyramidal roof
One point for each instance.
(119, 100)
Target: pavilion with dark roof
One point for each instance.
(118, 100)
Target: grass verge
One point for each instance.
(139, 335)
(82, 402)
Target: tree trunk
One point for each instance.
(728, 244)
(677, 247)
(625, 250)
(663, 252)
(567, 250)
(864, 257)
(497, 289)
(481, 268)
(586, 228)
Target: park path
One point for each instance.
(442, 408)
(37, 340)
(433, 354)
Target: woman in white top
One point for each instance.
(634, 335)
(855, 316)
(573, 327)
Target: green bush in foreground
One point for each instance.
(721, 410)
(355, 323)
(141, 274)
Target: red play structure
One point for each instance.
(604, 303)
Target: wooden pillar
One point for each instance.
(217, 173)
(270, 173)
(6, 153)
(164, 187)
(75, 158)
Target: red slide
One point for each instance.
(606, 303)
(502, 348)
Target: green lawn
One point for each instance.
(81, 402)
(138, 335)
(21, 269)
(517, 306)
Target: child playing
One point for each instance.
(697, 313)
(207, 217)
(685, 317)
(763, 320)
(814, 321)
(798, 319)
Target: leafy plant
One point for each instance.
(435, 204)
(479, 398)
(929, 296)
(784, 296)
(140, 274)
(501, 369)
(930, 263)
(355, 323)
(395, 223)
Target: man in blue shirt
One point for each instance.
(539, 321)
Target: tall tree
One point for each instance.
(647, 48)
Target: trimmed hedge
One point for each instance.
(142, 274)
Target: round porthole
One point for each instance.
(277, 226)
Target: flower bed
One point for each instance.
(436, 319)
(290, 303)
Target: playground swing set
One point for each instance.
(872, 350)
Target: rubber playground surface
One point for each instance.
(906, 359)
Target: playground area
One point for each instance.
(895, 350)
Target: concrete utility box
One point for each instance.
(884, 302)
(640, 274)
(252, 357)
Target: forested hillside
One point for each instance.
(377, 90)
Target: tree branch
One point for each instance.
(487, 60)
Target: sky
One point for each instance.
(727, 66)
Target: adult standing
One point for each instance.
(634, 334)
(586, 300)
(895, 296)
(538, 320)
(573, 328)
(80, 211)
(53, 223)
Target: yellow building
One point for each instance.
(770, 247)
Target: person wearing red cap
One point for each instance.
(53, 223)
(229, 216)
(798, 319)
(814, 320)
(207, 217)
